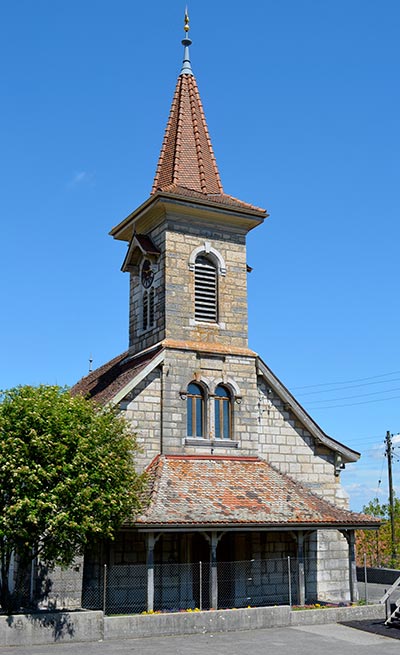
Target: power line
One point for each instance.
(360, 395)
(326, 384)
(363, 402)
(371, 442)
(352, 386)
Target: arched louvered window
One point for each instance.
(151, 308)
(195, 410)
(148, 309)
(205, 290)
(223, 413)
(145, 312)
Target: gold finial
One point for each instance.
(186, 26)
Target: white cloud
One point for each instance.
(81, 177)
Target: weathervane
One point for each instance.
(186, 42)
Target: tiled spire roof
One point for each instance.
(187, 158)
(187, 164)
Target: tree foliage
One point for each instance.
(377, 544)
(66, 477)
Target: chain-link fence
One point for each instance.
(373, 583)
(170, 587)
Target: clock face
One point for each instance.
(147, 274)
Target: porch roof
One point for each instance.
(235, 492)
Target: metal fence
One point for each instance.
(121, 589)
(169, 587)
(374, 582)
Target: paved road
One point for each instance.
(328, 639)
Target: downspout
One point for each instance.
(162, 388)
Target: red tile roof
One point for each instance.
(216, 198)
(105, 382)
(187, 164)
(235, 491)
(187, 157)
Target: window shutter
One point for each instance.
(145, 310)
(151, 308)
(205, 282)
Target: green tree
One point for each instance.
(377, 544)
(67, 477)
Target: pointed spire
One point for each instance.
(186, 42)
(187, 164)
(187, 158)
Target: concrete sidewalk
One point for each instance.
(329, 639)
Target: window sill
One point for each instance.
(140, 333)
(195, 323)
(211, 443)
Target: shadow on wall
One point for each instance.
(60, 624)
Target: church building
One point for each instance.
(239, 475)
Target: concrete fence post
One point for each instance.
(289, 581)
(365, 578)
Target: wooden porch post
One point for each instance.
(214, 570)
(352, 567)
(300, 565)
(150, 571)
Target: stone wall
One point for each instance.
(177, 237)
(142, 408)
(182, 238)
(140, 339)
(286, 444)
(330, 551)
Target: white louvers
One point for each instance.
(205, 296)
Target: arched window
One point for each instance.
(223, 413)
(195, 410)
(151, 308)
(205, 290)
(148, 309)
(145, 313)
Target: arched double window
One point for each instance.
(195, 410)
(223, 413)
(205, 290)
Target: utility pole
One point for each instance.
(389, 455)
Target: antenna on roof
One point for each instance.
(90, 363)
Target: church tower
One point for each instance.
(187, 242)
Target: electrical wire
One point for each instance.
(363, 402)
(380, 477)
(352, 386)
(360, 395)
(325, 384)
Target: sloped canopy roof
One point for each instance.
(200, 491)
(116, 377)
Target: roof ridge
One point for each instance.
(194, 91)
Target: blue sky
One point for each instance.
(302, 102)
